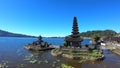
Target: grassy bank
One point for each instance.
(94, 53)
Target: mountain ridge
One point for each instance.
(4, 33)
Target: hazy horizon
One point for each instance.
(55, 17)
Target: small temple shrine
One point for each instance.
(39, 45)
(74, 39)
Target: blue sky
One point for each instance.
(55, 17)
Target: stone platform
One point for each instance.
(84, 55)
(38, 48)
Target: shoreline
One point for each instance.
(115, 47)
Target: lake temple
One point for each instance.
(73, 49)
(74, 39)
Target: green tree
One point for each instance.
(96, 38)
(103, 33)
(65, 43)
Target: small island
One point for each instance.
(73, 49)
(39, 45)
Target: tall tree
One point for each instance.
(96, 38)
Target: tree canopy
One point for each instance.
(96, 37)
(102, 33)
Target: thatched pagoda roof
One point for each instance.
(75, 36)
(71, 38)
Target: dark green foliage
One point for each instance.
(66, 66)
(102, 33)
(65, 43)
(94, 53)
(96, 37)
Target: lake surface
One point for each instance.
(13, 55)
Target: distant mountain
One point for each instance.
(103, 33)
(10, 34)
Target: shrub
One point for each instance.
(65, 43)
(66, 66)
(55, 50)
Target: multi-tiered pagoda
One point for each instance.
(74, 39)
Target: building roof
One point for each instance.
(70, 38)
(75, 36)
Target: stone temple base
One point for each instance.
(37, 48)
(76, 57)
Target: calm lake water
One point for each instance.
(12, 54)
